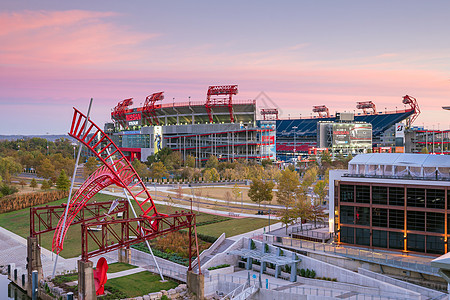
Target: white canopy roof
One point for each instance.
(402, 159)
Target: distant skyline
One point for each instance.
(56, 54)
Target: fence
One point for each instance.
(365, 255)
(306, 231)
(313, 291)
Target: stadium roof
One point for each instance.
(402, 159)
(308, 127)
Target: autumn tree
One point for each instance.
(63, 182)
(260, 191)
(236, 191)
(22, 183)
(33, 184)
(140, 168)
(190, 161)
(45, 185)
(90, 166)
(320, 189)
(8, 168)
(317, 213)
(46, 169)
(211, 175)
(287, 194)
(158, 170)
(212, 162)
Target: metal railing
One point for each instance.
(313, 291)
(307, 232)
(365, 255)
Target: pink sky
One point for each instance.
(300, 54)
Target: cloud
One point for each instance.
(66, 38)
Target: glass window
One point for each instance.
(396, 240)
(347, 214)
(415, 197)
(396, 218)
(435, 222)
(379, 238)
(362, 236)
(435, 198)
(397, 196)
(415, 220)
(347, 193)
(362, 216)
(347, 235)
(379, 217)
(435, 244)
(362, 194)
(379, 195)
(416, 242)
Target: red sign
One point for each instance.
(133, 117)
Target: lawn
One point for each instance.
(138, 284)
(118, 267)
(213, 225)
(232, 227)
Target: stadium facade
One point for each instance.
(227, 128)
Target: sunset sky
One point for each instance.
(59, 54)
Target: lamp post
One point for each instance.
(242, 201)
(269, 219)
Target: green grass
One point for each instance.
(65, 278)
(139, 284)
(232, 227)
(19, 223)
(118, 267)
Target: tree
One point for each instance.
(9, 167)
(22, 183)
(212, 162)
(287, 194)
(424, 150)
(140, 168)
(301, 209)
(45, 185)
(317, 213)
(320, 189)
(190, 161)
(33, 184)
(90, 166)
(266, 162)
(63, 182)
(158, 170)
(173, 160)
(236, 191)
(261, 191)
(211, 175)
(46, 169)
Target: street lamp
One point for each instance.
(242, 201)
(269, 219)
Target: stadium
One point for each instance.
(233, 129)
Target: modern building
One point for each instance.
(434, 141)
(395, 201)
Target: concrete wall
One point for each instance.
(211, 249)
(412, 287)
(213, 284)
(324, 269)
(271, 295)
(224, 258)
(196, 285)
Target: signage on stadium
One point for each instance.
(133, 117)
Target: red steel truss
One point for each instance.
(115, 169)
(269, 113)
(148, 110)
(411, 101)
(322, 110)
(44, 219)
(365, 105)
(119, 111)
(213, 99)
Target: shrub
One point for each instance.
(164, 297)
(308, 273)
(288, 269)
(302, 272)
(219, 267)
(252, 245)
(266, 248)
(313, 274)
